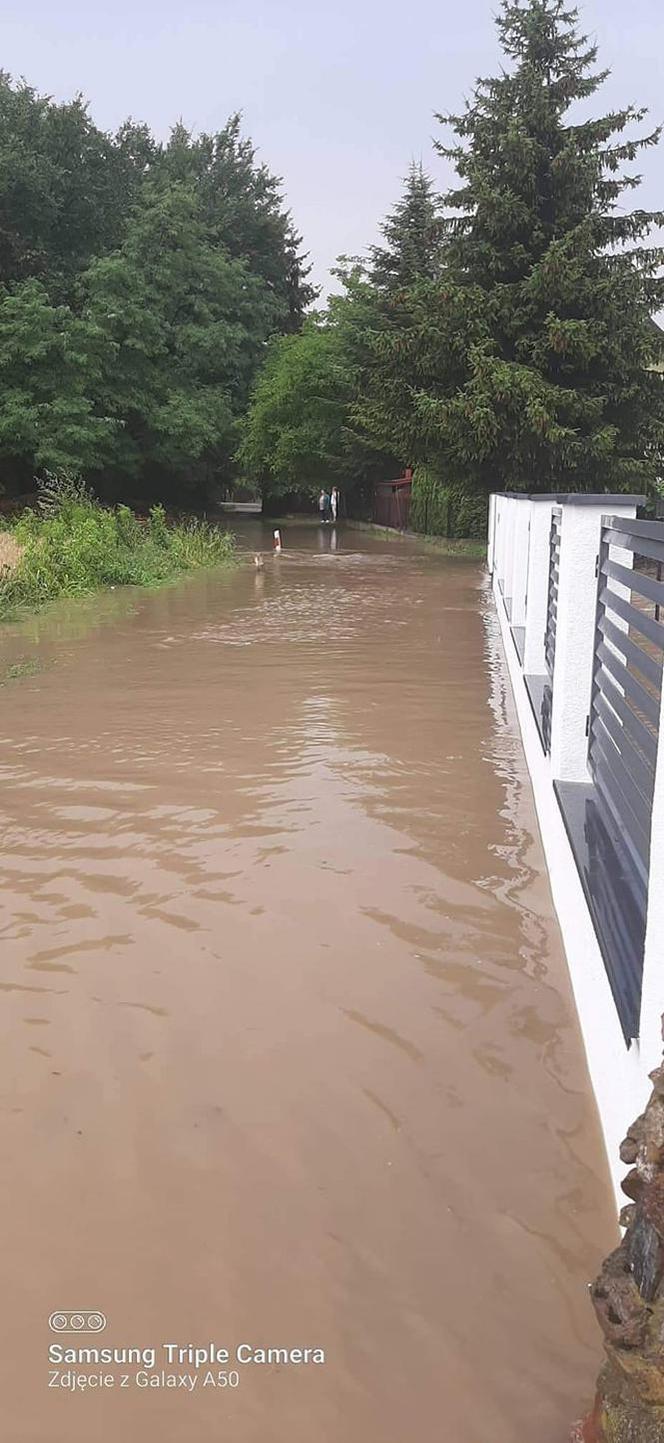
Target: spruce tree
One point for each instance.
(373, 318)
(412, 234)
(561, 393)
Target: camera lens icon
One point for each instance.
(79, 1322)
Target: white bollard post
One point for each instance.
(575, 628)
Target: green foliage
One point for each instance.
(65, 186)
(429, 511)
(558, 394)
(152, 300)
(60, 495)
(72, 546)
(185, 325)
(50, 361)
(158, 527)
(413, 235)
(468, 511)
(295, 436)
(128, 528)
(139, 286)
(503, 336)
(449, 509)
(242, 206)
(416, 353)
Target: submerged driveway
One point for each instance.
(289, 1055)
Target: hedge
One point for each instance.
(446, 508)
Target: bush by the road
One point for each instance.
(70, 546)
(440, 508)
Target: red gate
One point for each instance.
(391, 503)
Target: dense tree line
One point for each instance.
(502, 334)
(156, 332)
(140, 285)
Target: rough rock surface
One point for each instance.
(628, 1296)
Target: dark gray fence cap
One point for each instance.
(576, 498)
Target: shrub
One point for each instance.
(71, 546)
(158, 526)
(442, 508)
(469, 512)
(429, 509)
(128, 528)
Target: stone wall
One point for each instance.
(628, 1296)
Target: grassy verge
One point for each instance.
(445, 545)
(71, 546)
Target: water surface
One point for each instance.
(289, 1055)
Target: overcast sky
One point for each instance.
(339, 97)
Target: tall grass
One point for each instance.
(70, 546)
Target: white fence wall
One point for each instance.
(555, 714)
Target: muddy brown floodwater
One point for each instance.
(289, 1057)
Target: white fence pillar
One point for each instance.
(575, 630)
(504, 540)
(491, 542)
(534, 663)
(508, 549)
(519, 581)
(497, 535)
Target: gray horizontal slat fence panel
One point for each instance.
(643, 700)
(652, 549)
(647, 529)
(647, 665)
(606, 721)
(632, 834)
(636, 581)
(649, 628)
(631, 807)
(633, 728)
(627, 680)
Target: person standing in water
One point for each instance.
(323, 502)
(334, 503)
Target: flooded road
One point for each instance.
(289, 1057)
